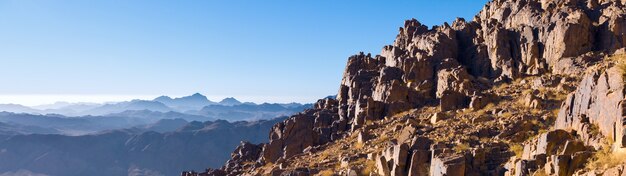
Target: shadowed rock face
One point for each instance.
(451, 66)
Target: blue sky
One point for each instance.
(280, 51)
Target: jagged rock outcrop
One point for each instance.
(589, 118)
(451, 66)
(553, 153)
(597, 102)
(309, 128)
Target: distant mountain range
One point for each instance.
(196, 104)
(83, 118)
(135, 137)
(140, 150)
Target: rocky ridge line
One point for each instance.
(442, 71)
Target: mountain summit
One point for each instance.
(192, 102)
(528, 87)
(230, 102)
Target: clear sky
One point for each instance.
(270, 50)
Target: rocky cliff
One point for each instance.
(526, 87)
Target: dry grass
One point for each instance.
(358, 145)
(484, 110)
(506, 115)
(594, 130)
(620, 61)
(403, 113)
(518, 149)
(326, 173)
(489, 106)
(323, 155)
(461, 147)
(536, 111)
(560, 96)
(382, 139)
(606, 158)
(268, 166)
(541, 131)
(369, 167)
(369, 122)
(555, 112)
(540, 172)
(502, 86)
(485, 140)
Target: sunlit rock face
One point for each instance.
(454, 67)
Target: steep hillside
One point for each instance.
(528, 87)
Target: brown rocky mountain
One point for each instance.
(528, 87)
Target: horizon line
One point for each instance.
(48, 99)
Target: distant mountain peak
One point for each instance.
(195, 97)
(163, 98)
(191, 102)
(198, 95)
(230, 101)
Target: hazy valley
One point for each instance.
(138, 137)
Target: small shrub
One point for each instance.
(560, 96)
(536, 111)
(594, 130)
(540, 172)
(541, 131)
(369, 122)
(369, 167)
(323, 155)
(502, 86)
(606, 158)
(506, 114)
(461, 147)
(358, 145)
(518, 149)
(381, 139)
(403, 113)
(489, 106)
(553, 114)
(485, 140)
(621, 64)
(326, 173)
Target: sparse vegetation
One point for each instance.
(369, 122)
(620, 60)
(402, 114)
(485, 140)
(326, 173)
(502, 86)
(368, 168)
(323, 155)
(594, 129)
(381, 139)
(606, 158)
(461, 147)
(536, 111)
(358, 145)
(540, 172)
(518, 149)
(506, 114)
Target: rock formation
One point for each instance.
(472, 98)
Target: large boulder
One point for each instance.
(448, 165)
(451, 100)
